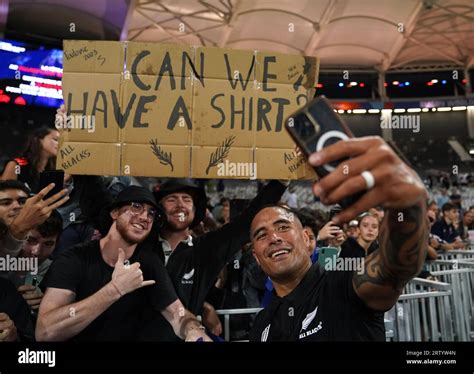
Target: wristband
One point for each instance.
(115, 286)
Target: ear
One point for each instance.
(306, 237)
(114, 214)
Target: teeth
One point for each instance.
(279, 253)
(138, 226)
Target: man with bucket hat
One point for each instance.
(105, 290)
(193, 264)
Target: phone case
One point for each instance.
(52, 176)
(327, 257)
(317, 126)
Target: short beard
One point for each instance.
(172, 228)
(124, 234)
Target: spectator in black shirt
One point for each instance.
(193, 264)
(91, 294)
(366, 242)
(312, 304)
(444, 227)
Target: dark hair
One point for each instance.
(52, 226)
(285, 207)
(13, 184)
(449, 206)
(33, 148)
(307, 218)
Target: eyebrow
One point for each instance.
(279, 221)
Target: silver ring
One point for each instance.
(369, 179)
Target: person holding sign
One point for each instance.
(312, 304)
(100, 290)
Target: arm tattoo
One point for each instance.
(402, 251)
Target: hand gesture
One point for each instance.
(36, 211)
(128, 278)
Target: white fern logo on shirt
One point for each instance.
(265, 334)
(189, 275)
(308, 319)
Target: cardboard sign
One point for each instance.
(165, 110)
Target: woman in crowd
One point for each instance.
(39, 155)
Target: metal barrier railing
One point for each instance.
(458, 254)
(228, 312)
(423, 312)
(460, 274)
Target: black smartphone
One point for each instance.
(317, 126)
(52, 176)
(334, 210)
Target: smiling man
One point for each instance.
(105, 290)
(316, 305)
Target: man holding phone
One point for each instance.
(21, 214)
(38, 246)
(314, 305)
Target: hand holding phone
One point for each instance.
(329, 231)
(52, 176)
(315, 127)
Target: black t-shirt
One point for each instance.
(351, 248)
(323, 307)
(13, 304)
(82, 270)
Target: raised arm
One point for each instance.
(404, 232)
(401, 254)
(222, 243)
(60, 318)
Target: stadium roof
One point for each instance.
(358, 34)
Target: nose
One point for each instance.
(35, 250)
(180, 202)
(15, 205)
(274, 237)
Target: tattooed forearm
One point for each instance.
(402, 251)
